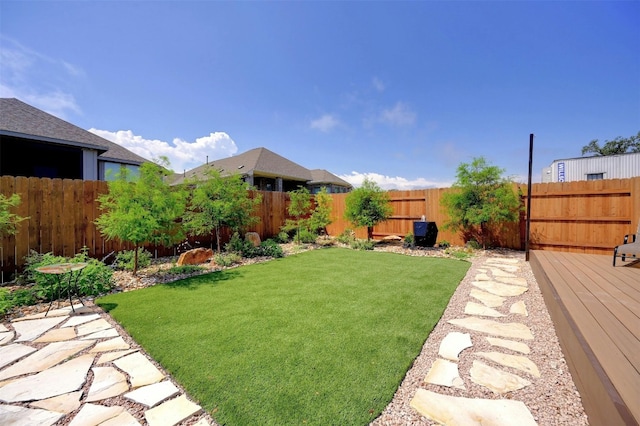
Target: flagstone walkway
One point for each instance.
(493, 285)
(80, 369)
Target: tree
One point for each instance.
(8, 220)
(299, 208)
(220, 201)
(616, 146)
(142, 210)
(367, 206)
(480, 197)
(321, 216)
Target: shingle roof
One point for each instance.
(257, 161)
(319, 176)
(22, 120)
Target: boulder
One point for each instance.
(253, 237)
(195, 256)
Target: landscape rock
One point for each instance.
(195, 256)
(253, 238)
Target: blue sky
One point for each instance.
(401, 92)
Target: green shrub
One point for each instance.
(271, 248)
(5, 302)
(409, 240)
(283, 237)
(182, 269)
(125, 259)
(362, 244)
(227, 259)
(346, 237)
(473, 244)
(444, 244)
(305, 236)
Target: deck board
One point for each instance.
(596, 310)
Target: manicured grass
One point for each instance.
(323, 337)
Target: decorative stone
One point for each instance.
(6, 337)
(499, 289)
(473, 308)
(14, 415)
(107, 382)
(512, 330)
(507, 268)
(518, 362)
(519, 308)
(497, 272)
(498, 381)
(171, 412)
(444, 373)
(93, 414)
(522, 282)
(482, 277)
(114, 344)
(140, 370)
(122, 419)
(64, 378)
(110, 356)
(253, 238)
(152, 395)
(488, 299)
(57, 335)
(503, 260)
(65, 404)
(93, 326)
(29, 330)
(454, 343)
(452, 410)
(80, 319)
(196, 256)
(12, 352)
(509, 344)
(46, 357)
(111, 332)
(62, 312)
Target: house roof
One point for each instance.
(256, 162)
(320, 176)
(24, 121)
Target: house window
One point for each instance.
(595, 176)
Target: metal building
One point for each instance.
(620, 166)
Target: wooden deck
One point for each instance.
(596, 311)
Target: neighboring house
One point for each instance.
(34, 143)
(268, 171)
(620, 166)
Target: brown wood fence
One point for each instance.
(586, 217)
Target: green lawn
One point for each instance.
(323, 337)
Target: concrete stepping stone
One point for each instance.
(64, 378)
(110, 356)
(117, 343)
(454, 343)
(112, 332)
(518, 362)
(444, 373)
(490, 300)
(513, 330)
(509, 344)
(499, 381)
(12, 352)
(46, 357)
(57, 335)
(123, 419)
(499, 289)
(473, 308)
(29, 330)
(107, 382)
(152, 395)
(503, 260)
(6, 337)
(453, 410)
(140, 370)
(519, 308)
(171, 412)
(497, 272)
(94, 414)
(80, 319)
(14, 415)
(483, 277)
(522, 282)
(93, 326)
(65, 404)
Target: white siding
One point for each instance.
(612, 167)
(89, 164)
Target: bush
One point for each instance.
(283, 237)
(19, 297)
(126, 258)
(362, 244)
(305, 236)
(227, 259)
(182, 269)
(271, 248)
(444, 244)
(93, 280)
(5, 302)
(347, 237)
(473, 244)
(409, 240)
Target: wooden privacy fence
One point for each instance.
(586, 217)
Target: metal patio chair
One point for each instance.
(630, 247)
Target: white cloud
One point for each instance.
(326, 123)
(390, 182)
(378, 84)
(183, 155)
(399, 115)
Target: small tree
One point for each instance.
(142, 210)
(220, 201)
(321, 216)
(367, 206)
(299, 208)
(616, 146)
(8, 220)
(480, 197)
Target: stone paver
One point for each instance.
(512, 329)
(30, 330)
(152, 395)
(57, 335)
(514, 361)
(111, 332)
(110, 356)
(488, 299)
(93, 326)
(454, 343)
(15, 415)
(80, 319)
(94, 414)
(513, 281)
(171, 412)
(473, 308)
(114, 344)
(60, 404)
(497, 380)
(519, 308)
(10, 353)
(500, 289)
(444, 373)
(6, 337)
(140, 370)
(107, 382)
(509, 344)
